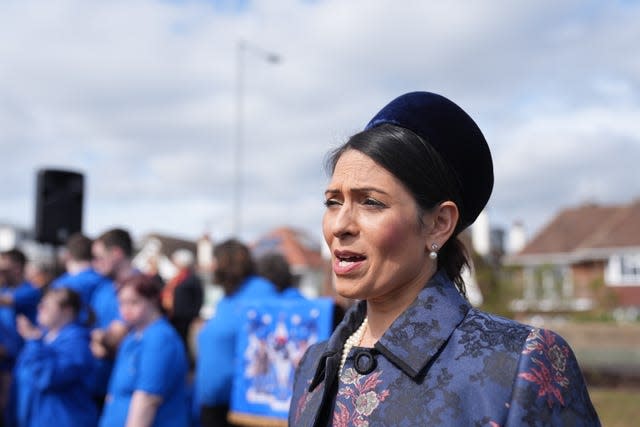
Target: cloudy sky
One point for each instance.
(140, 96)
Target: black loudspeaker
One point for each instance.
(59, 199)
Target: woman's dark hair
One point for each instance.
(423, 172)
(147, 286)
(275, 268)
(233, 265)
(68, 298)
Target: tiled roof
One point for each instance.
(588, 227)
(622, 229)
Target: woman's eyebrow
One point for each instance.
(357, 190)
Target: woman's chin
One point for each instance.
(350, 290)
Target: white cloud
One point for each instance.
(567, 158)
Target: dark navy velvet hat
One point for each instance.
(454, 135)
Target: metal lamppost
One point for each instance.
(241, 47)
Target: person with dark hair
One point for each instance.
(182, 296)
(275, 268)
(80, 274)
(49, 378)
(148, 383)
(15, 291)
(112, 252)
(17, 297)
(216, 342)
(413, 351)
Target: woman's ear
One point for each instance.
(443, 220)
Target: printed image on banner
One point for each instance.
(275, 335)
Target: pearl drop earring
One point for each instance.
(433, 254)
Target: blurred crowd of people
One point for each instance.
(104, 344)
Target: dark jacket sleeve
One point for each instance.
(188, 298)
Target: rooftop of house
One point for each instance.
(588, 229)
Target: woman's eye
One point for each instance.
(331, 202)
(373, 202)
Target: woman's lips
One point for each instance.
(346, 262)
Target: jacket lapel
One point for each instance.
(419, 333)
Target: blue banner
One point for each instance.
(275, 335)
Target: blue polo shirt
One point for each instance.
(10, 341)
(153, 361)
(84, 283)
(25, 299)
(104, 303)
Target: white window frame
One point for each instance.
(623, 270)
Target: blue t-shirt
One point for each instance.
(49, 381)
(84, 283)
(217, 342)
(10, 341)
(25, 299)
(104, 303)
(155, 362)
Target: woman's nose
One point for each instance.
(343, 222)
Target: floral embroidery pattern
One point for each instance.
(549, 370)
(460, 373)
(360, 390)
(304, 400)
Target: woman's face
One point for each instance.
(50, 313)
(135, 309)
(379, 249)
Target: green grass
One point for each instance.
(616, 407)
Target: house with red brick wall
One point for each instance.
(587, 257)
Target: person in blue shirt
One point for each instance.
(112, 252)
(15, 291)
(148, 382)
(9, 337)
(79, 275)
(49, 385)
(274, 267)
(216, 341)
(17, 296)
(10, 342)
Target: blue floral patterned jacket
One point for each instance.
(442, 363)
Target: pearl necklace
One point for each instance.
(353, 340)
